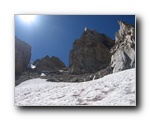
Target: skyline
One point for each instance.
(54, 35)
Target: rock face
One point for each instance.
(48, 64)
(90, 53)
(124, 50)
(22, 56)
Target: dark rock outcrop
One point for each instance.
(124, 50)
(48, 64)
(90, 53)
(27, 75)
(22, 56)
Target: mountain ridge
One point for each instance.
(93, 56)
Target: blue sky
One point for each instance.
(54, 35)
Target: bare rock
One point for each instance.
(25, 76)
(124, 50)
(90, 53)
(22, 56)
(47, 64)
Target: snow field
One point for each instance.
(116, 89)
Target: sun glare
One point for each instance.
(27, 18)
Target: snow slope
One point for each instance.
(116, 89)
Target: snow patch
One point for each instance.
(42, 74)
(33, 66)
(61, 71)
(94, 77)
(85, 29)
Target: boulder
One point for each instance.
(90, 53)
(22, 56)
(123, 53)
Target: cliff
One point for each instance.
(90, 53)
(22, 56)
(124, 50)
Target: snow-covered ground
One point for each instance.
(116, 89)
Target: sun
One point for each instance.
(27, 18)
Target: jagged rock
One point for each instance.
(22, 56)
(124, 50)
(90, 53)
(47, 64)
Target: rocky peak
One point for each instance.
(93, 36)
(124, 50)
(57, 62)
(90, 52)
(125, 30)
(46, 57)
(49, 64)
(53, 58)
